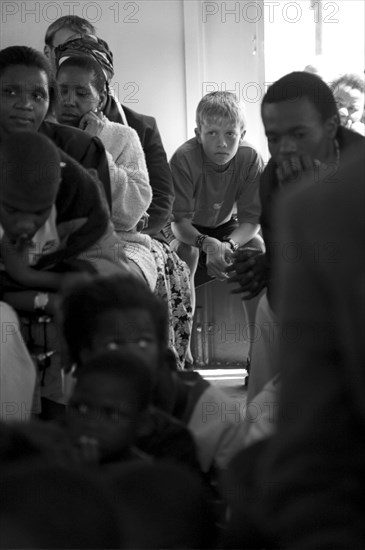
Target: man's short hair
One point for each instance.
(220, 105)
(72, 22)
(301, 84)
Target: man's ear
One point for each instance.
(47, 51)
(197, 135)
(331, 125)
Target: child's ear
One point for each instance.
(243, 133)
(197, 135)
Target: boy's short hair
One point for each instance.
(128, 367)
(72, 22)
(23, 55)
(350, 80)
(220, 105)
(86, 299)
(301, 84)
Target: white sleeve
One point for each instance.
(17, 370)
(130, 187)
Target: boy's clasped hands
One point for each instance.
(246, 266)
(219, 257)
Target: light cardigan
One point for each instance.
(131, 193)
(130, 186)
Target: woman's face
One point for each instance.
(24, 99)
(78, 95)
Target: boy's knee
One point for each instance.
(187, 252)
(183, 249)
(256, 242)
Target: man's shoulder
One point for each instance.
(341, 192)
(138, 118)
(347, 139)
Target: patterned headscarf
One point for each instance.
(90, 46)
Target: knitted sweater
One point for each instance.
(131, 190)
(131, 193)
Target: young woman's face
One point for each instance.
(24, 99)
(78, 95)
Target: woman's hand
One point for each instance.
(92, 123)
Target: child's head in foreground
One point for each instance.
(115, 312)
(220, 122)
(30, 174)
(108, 405)
(118, 312)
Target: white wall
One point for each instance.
(165, 53)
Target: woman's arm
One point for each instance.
(24, 301)
(131, 190)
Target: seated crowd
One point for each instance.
(108, 437)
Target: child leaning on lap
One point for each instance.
(53, 222)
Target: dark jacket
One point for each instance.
(157, 165)
(88, 151)
(314, 467)
(269, 193)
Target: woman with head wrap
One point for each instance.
(172, 274)
(83, 89)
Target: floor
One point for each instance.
(232, 381)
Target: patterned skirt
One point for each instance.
(173, 286)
